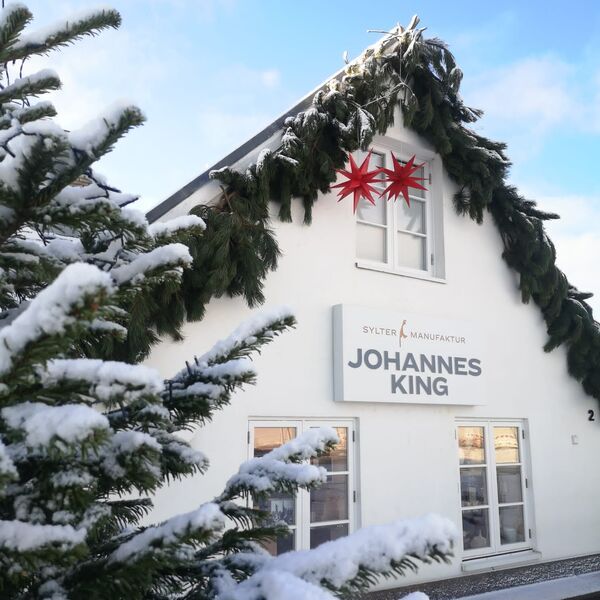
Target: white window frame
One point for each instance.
(434, 270)
(496, 548)
(303, 524)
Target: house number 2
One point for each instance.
(591, 415)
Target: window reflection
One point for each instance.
(473, 486)
(282, 507)
(506, 444)
(269, 438)
(329, 502)
(327, 533)
(281, 544)
(336, 459)
(476, 530)
(471, 445)
(509, 485)
(512, 525)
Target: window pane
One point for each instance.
(373, 213)
(337, 459)
(473, 486)
(281, 506)
(376, 162)
(512, 525)
(327, 533)
(269, 438)
(281, 544)
(471, 445)
(419, 193)
(370, 242)
(411, 218)
(509, 485)
(329, 502)
(506, 444)
(476, 530)
(411, 251)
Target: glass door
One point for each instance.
(493, 488)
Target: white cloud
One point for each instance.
(526, 101)
(535, 92)
(270, 78)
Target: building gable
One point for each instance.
(421, 77)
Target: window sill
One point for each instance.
(360, 264)
(500, 561)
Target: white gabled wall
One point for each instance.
(407, 454)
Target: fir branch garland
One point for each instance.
(421, 76)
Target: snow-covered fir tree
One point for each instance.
(86, 437)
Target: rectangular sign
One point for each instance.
(393, 356)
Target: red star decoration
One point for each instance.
(359, 181)
(400, 178)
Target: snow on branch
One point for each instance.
(264, 324)
(31, 85)
(51, 311)
(272, 585)
(43, 423)
(204, 522)
(174, 255)
(7, 467)
(61, 33)
(237, 367)
(282, 468)
(106, 379)
(94, 136)
(307, 445)
(183, 222)
(378, 549)
(22, 537)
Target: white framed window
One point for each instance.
(325, 513)
(494, 487)
(394, 237)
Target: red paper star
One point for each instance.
(359, 181)
(401, 178)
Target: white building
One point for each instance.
(461, 413)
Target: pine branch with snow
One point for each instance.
(55, 210)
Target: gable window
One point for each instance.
(392, 236)
(493, 487)
(323, 514)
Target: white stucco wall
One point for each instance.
(407, 454)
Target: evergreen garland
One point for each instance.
(421, 76)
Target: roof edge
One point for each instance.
(262, 136)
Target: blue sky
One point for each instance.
(210, 73)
